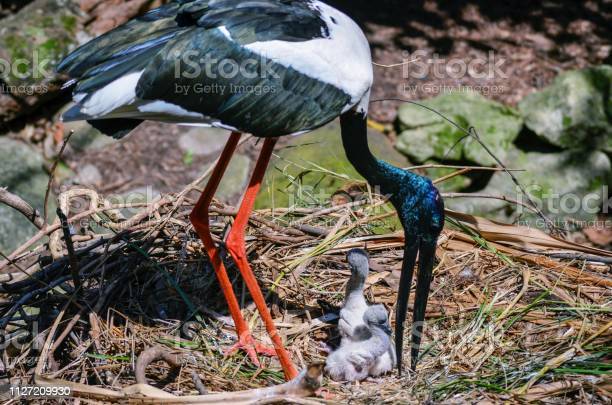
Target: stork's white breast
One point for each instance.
(342, 60)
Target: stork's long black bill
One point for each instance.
(427, 252)
(411, 248)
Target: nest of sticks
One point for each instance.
(130, 307)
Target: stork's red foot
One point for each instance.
(252, 348)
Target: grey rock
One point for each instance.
(456, 183)
(203, 141)
(575, 111)
(565, 185)
(426, 135)
(33, 41)
(313, 166)
(89, 175)
(85, 137)
(22, 173)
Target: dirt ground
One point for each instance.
(532, 42)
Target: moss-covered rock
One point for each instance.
(455, 183)
(575, 111)
(426, 135)
(84, 136)
(32, 42)
(565, 185)
(22, 173)
(310, 168)
(235, 179)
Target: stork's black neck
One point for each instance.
(414, 197)
(355, 140)
(393, 181)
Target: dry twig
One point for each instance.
(21, 206)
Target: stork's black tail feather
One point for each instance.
(116, 127)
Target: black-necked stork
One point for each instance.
(351, 325)
(266, 67)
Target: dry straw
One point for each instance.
(505, 322)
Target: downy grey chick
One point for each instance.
(355, 305)
(355, 360)
(388, 360)
(351, 324)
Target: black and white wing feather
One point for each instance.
(268, 67)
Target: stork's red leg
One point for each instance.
(236, 246)
(200, 219)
